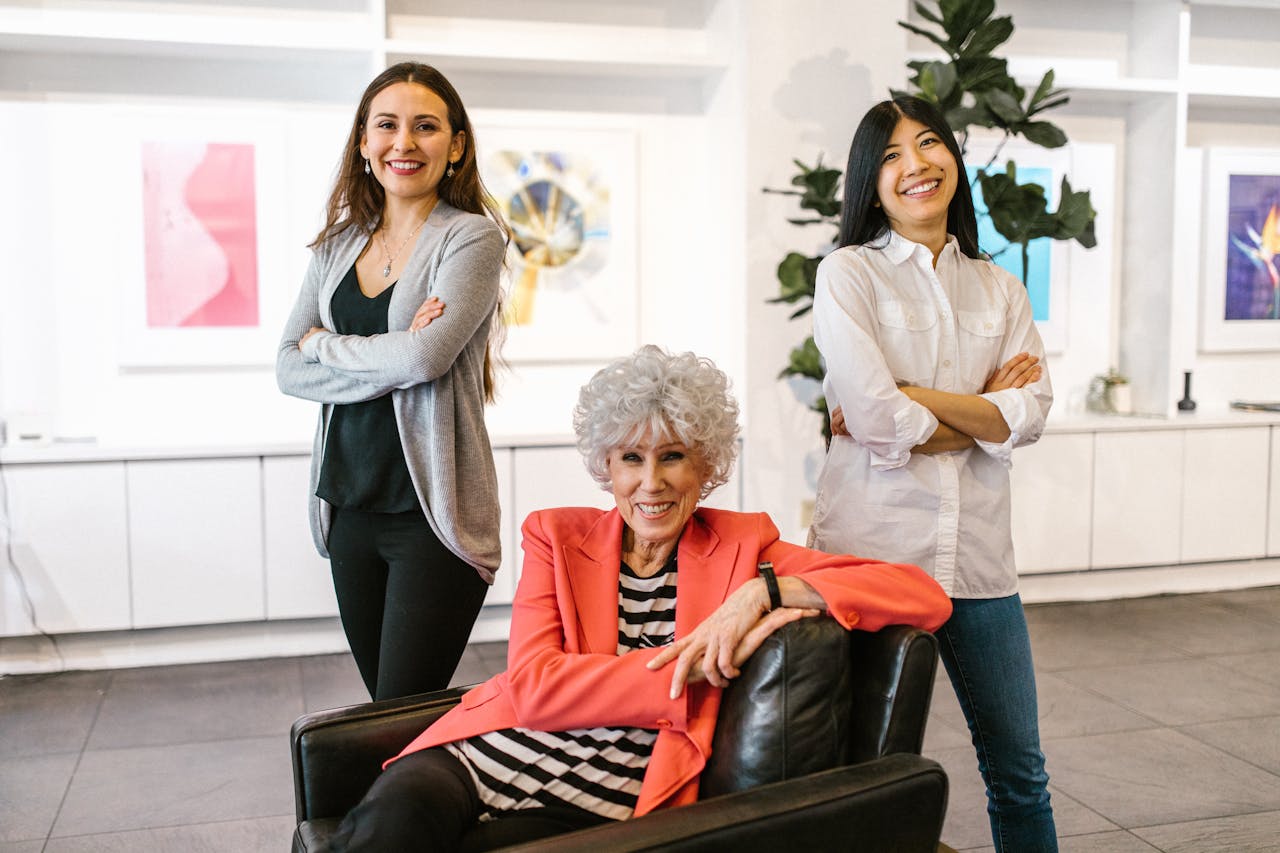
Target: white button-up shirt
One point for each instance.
(885, 317)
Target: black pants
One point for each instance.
(427, 801)
(408, 603)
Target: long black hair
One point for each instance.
(861, 219)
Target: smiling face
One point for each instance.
(408, 141)
(917, 181)
(657, 484)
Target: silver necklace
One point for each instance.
(390, 256)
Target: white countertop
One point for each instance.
(91, 451)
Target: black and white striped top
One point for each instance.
(599, 770)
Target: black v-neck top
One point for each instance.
(364, 465)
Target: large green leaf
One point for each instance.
(962, 117)
(937, 80)
(1042, 91)
(987, 37)
(927, 13)
(961, 17)
(940, 41)
(797, 275)
(805, 360)
(1043, 133)
(1055, 100)
(818, 188)
(1087, 238)
(979, 74)
(1075, 212)
(1004, 105)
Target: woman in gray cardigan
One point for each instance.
(404, 493)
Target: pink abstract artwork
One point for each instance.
(200, 234)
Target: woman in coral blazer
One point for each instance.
(626, 626)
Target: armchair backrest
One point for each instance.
(814, 697)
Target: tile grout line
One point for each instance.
(84, 746)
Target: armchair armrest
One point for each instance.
(337, 754)
(855, 808)
(892, 687)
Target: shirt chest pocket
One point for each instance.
(981, 338)
(905, 316)
(908, 339)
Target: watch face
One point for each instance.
(558, 210)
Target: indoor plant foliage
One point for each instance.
(973, 89)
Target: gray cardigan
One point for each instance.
(434, 375)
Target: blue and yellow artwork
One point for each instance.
(1008, 255)
(1253, 268)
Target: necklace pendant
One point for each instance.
(386, 271)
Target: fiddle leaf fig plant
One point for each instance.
(973, 88)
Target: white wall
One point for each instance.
(797, 78)
(812, 68)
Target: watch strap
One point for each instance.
(771, 583)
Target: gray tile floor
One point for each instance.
(1160, 716)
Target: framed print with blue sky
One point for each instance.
(1048, 279)
(568, 191)
(1240, 282)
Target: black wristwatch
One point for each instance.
(771, 582)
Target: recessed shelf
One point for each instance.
(556, 48)
(162, 25)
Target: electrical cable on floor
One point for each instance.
(11, 557)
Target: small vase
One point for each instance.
(1186, 404)
(1121, 399)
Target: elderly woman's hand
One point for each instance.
(723, 642)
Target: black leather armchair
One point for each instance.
(816, 748)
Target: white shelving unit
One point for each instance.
(1159, 79)
(324, 51)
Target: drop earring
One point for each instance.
(367, 170)
(448, 173)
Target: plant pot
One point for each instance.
(1121, 399)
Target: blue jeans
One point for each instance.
(987, 654)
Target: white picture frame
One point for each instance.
(1058, 162)
(142, 346)
(583, 305)
(1239, 186)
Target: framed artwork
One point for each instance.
(202, 219)
(1048, 260)
(1240, 285)
(569, 195)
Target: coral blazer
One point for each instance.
(564, 671)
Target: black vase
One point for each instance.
(1186, 404)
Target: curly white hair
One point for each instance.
(677, 397)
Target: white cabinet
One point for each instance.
(68, 532)
(1052, 493)
(1224, 494)
(1273, 525)
(1137, 498)
(546, 477)
(298, 582)
(195, 531)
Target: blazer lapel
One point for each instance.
(705, 563)
(592, 566)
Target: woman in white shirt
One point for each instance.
(934, 375)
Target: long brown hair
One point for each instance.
(357, 200)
